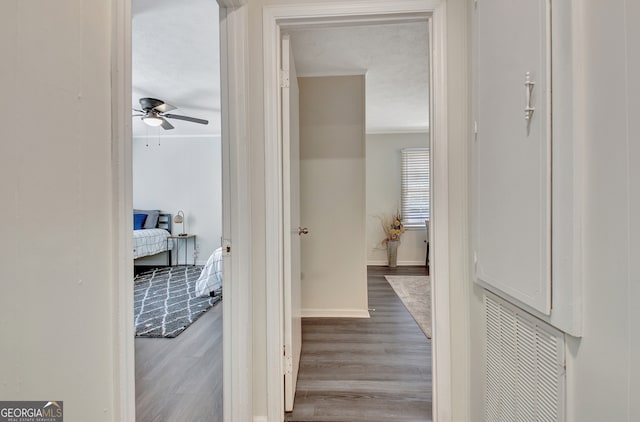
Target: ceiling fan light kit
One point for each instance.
(154, 121)
(154, 113)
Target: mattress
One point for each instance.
(150, 242)
(211, 276)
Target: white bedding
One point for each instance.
(211, 276)
(150, 242)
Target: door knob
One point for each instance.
(302, 230)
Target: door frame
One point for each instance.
(236, 196)
(236, 184)
(274, 17)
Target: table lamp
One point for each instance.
(179, 219)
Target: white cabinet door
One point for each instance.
(512, 149)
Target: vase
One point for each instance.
(392, 253)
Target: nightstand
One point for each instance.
(186, 243)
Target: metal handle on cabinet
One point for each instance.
(528, 85)
(302, 230)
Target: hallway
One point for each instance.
(366, 370)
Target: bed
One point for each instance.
(210, 281)
(151, 228)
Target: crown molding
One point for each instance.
(394, 130)
(231, 3)
(337, 72)
(200, 135)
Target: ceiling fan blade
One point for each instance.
(138, 115)
(163, 108)
(165, 124)
(186, 118)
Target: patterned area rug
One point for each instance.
(415, 294)
(165, 303)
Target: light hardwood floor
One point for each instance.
(366, 370)
(180, 379)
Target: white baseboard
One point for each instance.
(260, 419)
(335, 313)
(400, 263)
(378, 263)
(412, 263)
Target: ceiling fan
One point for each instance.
(154, 113)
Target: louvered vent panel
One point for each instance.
(525, 366)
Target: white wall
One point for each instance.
(603, 367)
(332, 196)
(56, 260)
(174, 174)
(383, 196)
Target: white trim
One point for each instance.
(200, 135)
(384, 263)
(273, 217)
(348, 72)
(121, 161)
(393, 130)
(237, 311)
(295, 14)
(231, 4)
(260, 419)
(349, 12)
(378, 263)
(334, 313)
(330, 23)
(439, 232)
(410, 263)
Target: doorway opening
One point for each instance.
(276, 20)
(177, 175)
(357, 120)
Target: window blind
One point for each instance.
(415, 185)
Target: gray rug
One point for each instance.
(415, 294)
(165, 303)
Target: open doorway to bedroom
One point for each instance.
(177, 192)
(359, 123)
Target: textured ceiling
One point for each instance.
(394, 58)
(176, 59)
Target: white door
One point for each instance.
(291, 222)
(513, 161)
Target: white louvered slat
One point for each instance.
(492, 406)
(415, 185)
(525, 375)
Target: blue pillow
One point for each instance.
(152, 217)
(138, 221)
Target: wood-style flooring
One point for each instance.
(180, 379)
(352, 370)
(366, 370)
